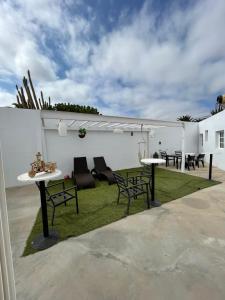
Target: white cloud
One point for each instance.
(6, 98)
(65, 90)
(19, 49)
(149, 66)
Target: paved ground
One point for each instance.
(173, 252)
(217, 174)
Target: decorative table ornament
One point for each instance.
(39, 166)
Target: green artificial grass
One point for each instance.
(98, 206)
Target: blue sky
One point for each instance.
(153, 59)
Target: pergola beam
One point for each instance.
(106, 119)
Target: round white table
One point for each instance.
(48, 238)
(152, 162)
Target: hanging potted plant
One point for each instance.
(82, 133)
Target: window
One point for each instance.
(220, 139)
(206, 135)
(201, 139)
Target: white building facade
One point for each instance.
(211, 138)
(25, 132)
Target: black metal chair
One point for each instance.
(131, 191)
(167, 157)
(59, 198)
(190, 161)
(81, 174)
(178, 158)
(145, 173)
(200, 158)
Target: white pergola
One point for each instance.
(93, 122)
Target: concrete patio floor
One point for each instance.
(176, 251)
(217, 174)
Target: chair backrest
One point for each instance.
(100, 164)
(146, 171)
(163, 153)
(178, 153)
(80, 165)
(201, 156)
(191, 158)
(121, 181)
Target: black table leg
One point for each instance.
(49, 237)
(154, 202)
(44, 209)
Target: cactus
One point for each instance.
(30, 99)
(26, 98)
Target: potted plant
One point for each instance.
(82, 133)
(155, 155)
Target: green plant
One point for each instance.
(26, 98)
(185, 118)
(155, 155)
(82, 131)
(75, 108)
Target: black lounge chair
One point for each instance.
(81, 174)
(102, 171)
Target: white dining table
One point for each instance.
(48, 237)
(152, 162)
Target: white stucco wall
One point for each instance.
(120, 150)
(20, 136)
(213, 124)
(170, 139)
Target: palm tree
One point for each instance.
(220, 105)
(185, 118)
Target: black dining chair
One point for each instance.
(167, 157)
(190, 161)
(143, 175)
(200, 158)
(62, 197)
(178, 158)
(131, 191)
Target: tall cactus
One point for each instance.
(30, 99)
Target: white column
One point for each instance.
(43, 141)
(44, 145)
(148, 140)
(7, 282)
(183, 149)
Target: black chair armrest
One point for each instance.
(70, 188)
(108, 168)
(134, 179)
(63, 192)
(138, 185)
(55, 184)
(130, 172)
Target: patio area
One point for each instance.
(175, 251)
(98, 206)
(217, 174)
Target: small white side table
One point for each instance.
(47, 238)
(152, 162)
